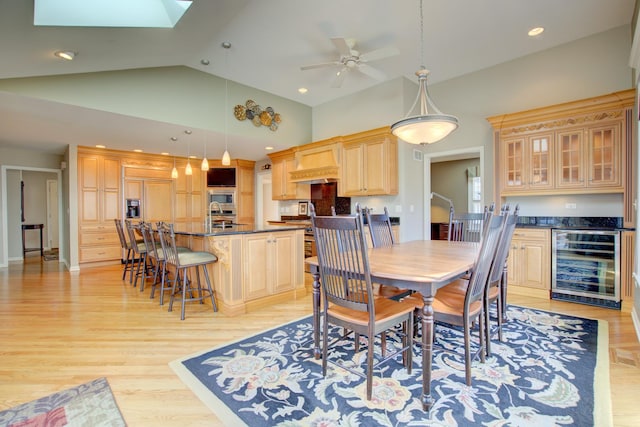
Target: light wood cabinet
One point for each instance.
(529, 261)
(267, 263)
(245, 190)
(189, 205)
(528, 162)
(282, 188)
(572, 148)
(99, 204)
(369, 164)
(589, 158)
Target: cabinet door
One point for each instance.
(281, 247)
(571, 159)
(255, 266)
(604, 156)
(278, 178)
(89, 190)
(534, 263)
(539, 161)
(375, 175)
(157, 204)
(513, 164)
(352, 170)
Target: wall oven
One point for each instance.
(585, 267)
(222, 202)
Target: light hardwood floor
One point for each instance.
(59, 330)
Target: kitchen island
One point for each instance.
(257, 265)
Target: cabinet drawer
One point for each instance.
(531, 234)
(102, 253)
(99, 239)
(99, 228)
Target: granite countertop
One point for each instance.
(203, 231)
(593, 223)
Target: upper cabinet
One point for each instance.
(578, 147)
(245, 189)
(282, 163)
(364, 164)
(369, 164)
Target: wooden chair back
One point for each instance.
(484, 260)
(343, 262)
(380, 228)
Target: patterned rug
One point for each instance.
(91, 405)
(552, 370)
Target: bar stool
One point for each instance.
(126, 246)
(143, 269)
(182, 262)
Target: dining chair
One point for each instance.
(452, 307)
(126, 246)
(143, 270)
(495, 290)
(347, 293)
(182, 262)
(467, 226)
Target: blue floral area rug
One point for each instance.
(552, 370)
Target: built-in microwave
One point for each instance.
(222, 201)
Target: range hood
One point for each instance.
(317, 165)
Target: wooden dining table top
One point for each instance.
(419, 263)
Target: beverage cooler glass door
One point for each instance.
(586, 267)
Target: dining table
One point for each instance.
(420, 265)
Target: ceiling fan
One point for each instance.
(351, 59)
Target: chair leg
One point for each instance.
(185, 285)
(176, 282)
(370, 348)
(213, 299)
(467, 350)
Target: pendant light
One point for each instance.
(426, 127)
(188, 170)
(205, 163)
(174, 171)
(226, 158)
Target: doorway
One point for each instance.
(266, 207)
(453, 155)
(12, 177)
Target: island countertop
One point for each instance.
(219, 230)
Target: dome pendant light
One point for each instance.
(424, 128)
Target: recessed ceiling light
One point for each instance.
(303, 90)
(100, 146)
(174, 139)
(192, 156)
(165, 154)
(204, 62)
(535, 31)
(65, 54)
(137, 150)
(268, 148)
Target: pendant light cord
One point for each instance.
(421, 36)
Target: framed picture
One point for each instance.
(303, 208)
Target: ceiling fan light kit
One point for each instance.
(424, 128)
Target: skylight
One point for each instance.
(109, 13)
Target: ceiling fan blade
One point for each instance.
(342, 46)
(321, 65)
(340, 75)
(372, 72)
(384, 52)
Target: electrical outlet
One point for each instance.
(570, 205)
